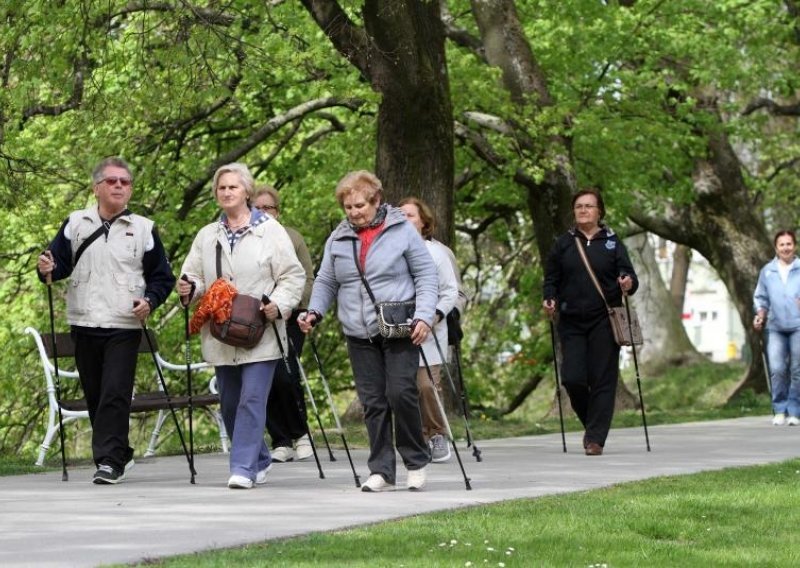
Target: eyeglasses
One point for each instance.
(581, 206)
(266, 208)
(113, 180)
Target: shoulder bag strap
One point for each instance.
(85, 244)
(361, 273)
(219, 260)
(590, 271)
(104, 226)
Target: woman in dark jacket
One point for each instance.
(590, 367)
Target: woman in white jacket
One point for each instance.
(434, 426)
(257, 257)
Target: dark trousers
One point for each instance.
(590, 371)
(107, 368)
(385, 373)
(286, 406)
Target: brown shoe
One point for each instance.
(594, 449)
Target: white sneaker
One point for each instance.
(282, 454)
(239, 482)
(793, 421)
(261, 476)
(416, 479)
(303, 449)
(779, 419)
(376, 484)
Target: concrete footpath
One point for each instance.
(157, 512)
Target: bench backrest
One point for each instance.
(66, 347)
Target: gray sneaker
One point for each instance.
(440, 451)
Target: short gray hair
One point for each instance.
(244, 176)
(98, 173)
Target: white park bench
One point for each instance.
(72, 410)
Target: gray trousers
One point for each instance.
(385, 373)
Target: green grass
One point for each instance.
(735, 517)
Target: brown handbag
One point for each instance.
(246, 324)
(626, 331)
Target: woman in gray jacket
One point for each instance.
(257, 256)
(396, 266)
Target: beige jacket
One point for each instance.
(263, 261)
(110, 275)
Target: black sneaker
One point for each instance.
(129, 463)
(107, 475)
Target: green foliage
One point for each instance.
(176, 89)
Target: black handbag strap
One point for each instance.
(363, 277)
(219, 260)
(590, 271)
(85, 244)
(104, 227)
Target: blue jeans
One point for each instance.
(783, 353)
(243, 391)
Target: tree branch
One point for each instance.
(772, 107)
(271, 126)
(460, 36)
(349, 39)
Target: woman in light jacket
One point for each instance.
(434, 424)
(258, 258)
(397, 267)
(777, 304)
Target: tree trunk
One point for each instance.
(400, 51)
(681, 259)
(507, 47)
(666, 342)
(724, 227)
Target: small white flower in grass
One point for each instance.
(511, 548)
(490, 549)
(485, 542)
(508, 553)
(468, 563)
(442, 544)
(453, 541)
(501, 564)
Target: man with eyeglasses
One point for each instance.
(286, 408)
(119, 274)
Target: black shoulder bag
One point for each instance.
(394, 318)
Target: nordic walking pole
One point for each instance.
(188, 357)
(333, 410)
(558, 385)
(463, 395)
(475, 451)
(265, 300)
(304, 380)
(169, 399)
(636, 366)
(765, 362)
(444, 415)
(49, 281)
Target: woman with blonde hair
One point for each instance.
(374, 256)
(253, 252)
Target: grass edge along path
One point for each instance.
(733, 517)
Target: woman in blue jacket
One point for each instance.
(777, 304)
(376, 240)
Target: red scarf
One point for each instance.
(367, 236)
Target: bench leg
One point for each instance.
(223, 434)
(151, 448)
(52, 430)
